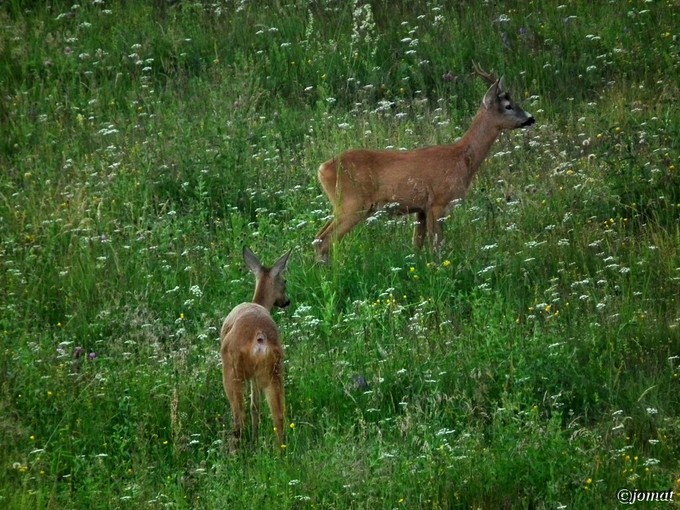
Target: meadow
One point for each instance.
(533, 363)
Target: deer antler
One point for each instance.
(490, 78)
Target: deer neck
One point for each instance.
(479, 139)
(261, 299)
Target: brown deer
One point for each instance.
(425, 182)
(251, 348)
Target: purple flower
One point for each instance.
(92, 355)
(78, 352)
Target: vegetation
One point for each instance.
(533, 363)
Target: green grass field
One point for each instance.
(534, 363)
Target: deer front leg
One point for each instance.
(434, 226)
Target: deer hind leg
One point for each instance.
(346, 218)
(234, 388)
(276, 400)
(419, 229)
(321, 233)
(328, 180)
(255, 392)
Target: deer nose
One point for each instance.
(528, 122)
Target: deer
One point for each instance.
(251, 349)
(425, 182)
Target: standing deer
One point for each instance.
(424, 182)
(251, 348)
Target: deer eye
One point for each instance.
(508, 106)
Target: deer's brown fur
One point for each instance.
(251, 348)
(424, 182)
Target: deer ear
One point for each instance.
(491, 95)
(501, 84)
(252, 261)
(282, 264)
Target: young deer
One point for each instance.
(424, 182)
(251, 348)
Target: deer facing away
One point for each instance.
(424, 182)
(251, 348)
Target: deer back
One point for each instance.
(251, 342)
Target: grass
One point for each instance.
(534, 364)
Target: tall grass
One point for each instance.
(534, 363)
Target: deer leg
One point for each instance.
(419, 229)
(434, 226)
(276, 400)
(234, 388)
(255, 408)
(318, 240)
(323, 230)
(323, 241)
(344, 221)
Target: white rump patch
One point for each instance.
(260, 344)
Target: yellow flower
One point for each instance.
(446, 263)
(292, 425)
(284, 446)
